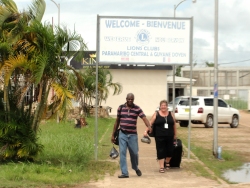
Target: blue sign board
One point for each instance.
(215, 90)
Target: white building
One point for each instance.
(233, 82)
(151, 84)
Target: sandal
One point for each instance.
(166, 165)
(162, 170)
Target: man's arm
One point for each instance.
(151, 123)
(147, 124)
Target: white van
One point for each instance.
(202, 110)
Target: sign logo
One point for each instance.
(143, 37)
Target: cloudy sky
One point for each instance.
(234, 22)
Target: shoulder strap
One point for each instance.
(157, 113)
(121, 108)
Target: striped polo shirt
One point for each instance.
(128, 118)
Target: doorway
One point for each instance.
(178, 92)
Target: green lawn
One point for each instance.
(68, 157)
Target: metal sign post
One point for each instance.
(142, 41)
(215, 127)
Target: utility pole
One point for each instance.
(215, 124)
(58, 7)
(174, 67)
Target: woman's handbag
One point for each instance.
(152, 134)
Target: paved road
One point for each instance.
(174, 178)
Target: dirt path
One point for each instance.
(228, 138)
(238, 139)
(233, 139)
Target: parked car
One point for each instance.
(176, 102)
(202, 109)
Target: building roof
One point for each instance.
(180, 80)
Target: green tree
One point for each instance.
(50, 71)
(17, 139)
(12, 27)
(209, 64)
(87, 94)
(31, 61)
(105, 84)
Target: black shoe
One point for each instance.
(123, 176)
(138, 172)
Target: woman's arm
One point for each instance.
(152, 120)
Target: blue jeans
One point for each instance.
(129, 141)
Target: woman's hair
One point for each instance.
(164, 101)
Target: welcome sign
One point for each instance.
(140, 40)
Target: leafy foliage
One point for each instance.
(34, 62)
(17, 140)
(30, 66)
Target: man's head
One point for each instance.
(130, 99)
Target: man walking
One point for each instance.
(127, 115)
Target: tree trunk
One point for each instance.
(43, 95)
(6, 104)
(31, 100)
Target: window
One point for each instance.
(194, 102)
(221, 103)
(227, 78)
(201, 77)
(209, 102)
(244, 78)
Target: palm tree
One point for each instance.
(12, 27)
(32, 59)
(105, 83)
(17, 139)
(49, 71)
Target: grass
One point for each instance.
(216, 167)
(68, 157)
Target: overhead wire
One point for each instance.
(235, 62)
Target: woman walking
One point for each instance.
(165, 133)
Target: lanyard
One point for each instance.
(166, 119)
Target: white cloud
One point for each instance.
(234, 22)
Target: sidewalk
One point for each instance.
(151, 178)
